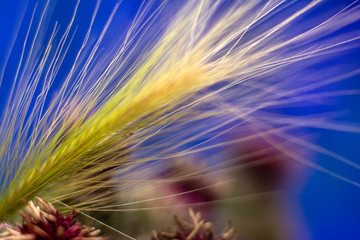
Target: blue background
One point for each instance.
(330, 206)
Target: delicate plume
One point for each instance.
(169, 86)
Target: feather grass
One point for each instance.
(214, 65)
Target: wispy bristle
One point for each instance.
(162, 92)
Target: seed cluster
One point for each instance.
(197, 230)
(44, 222)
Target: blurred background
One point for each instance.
(264, 193)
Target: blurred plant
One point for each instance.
(260, 167)
(181, 184)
